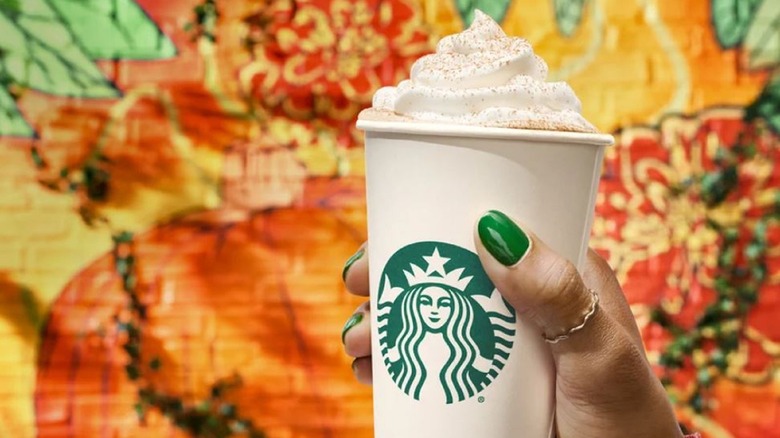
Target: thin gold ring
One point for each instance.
(594, 305)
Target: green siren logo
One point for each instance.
(444, 330)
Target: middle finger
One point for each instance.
(357, 332)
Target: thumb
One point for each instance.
(539, 283)
(598, 367)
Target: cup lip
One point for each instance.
(475, 131)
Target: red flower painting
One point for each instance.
(323, 60)
(660, 228)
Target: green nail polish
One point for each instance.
(505, 241)
(351, 322)
(355, 257)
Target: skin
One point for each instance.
(435, 307)
(605, 387)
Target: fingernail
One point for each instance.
(503, 239)
(351, 322)
(355, 257)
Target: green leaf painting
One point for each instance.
(118, 29)
(496, 9)
(762, 40)
(731, 19)
(39, 52)
(51, 45)
(767, 105)
(11, 121)
(10, 5)
(568, 15)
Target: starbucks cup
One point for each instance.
(451, 358)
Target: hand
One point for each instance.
(604, 384)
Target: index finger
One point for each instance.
(599, 274)
(355, 272)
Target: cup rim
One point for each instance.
(472, 131)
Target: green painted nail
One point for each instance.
(351, 322)
(355, 257)
(505, 241)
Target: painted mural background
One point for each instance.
(181, 182)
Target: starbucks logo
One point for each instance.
(444, 330)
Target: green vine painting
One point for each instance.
(51, 46)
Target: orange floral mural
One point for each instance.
(179, 192)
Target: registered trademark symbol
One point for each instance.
(481, 399)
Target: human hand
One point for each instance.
(604, 384)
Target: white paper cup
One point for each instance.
(451, 358)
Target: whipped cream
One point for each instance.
(481, 76)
